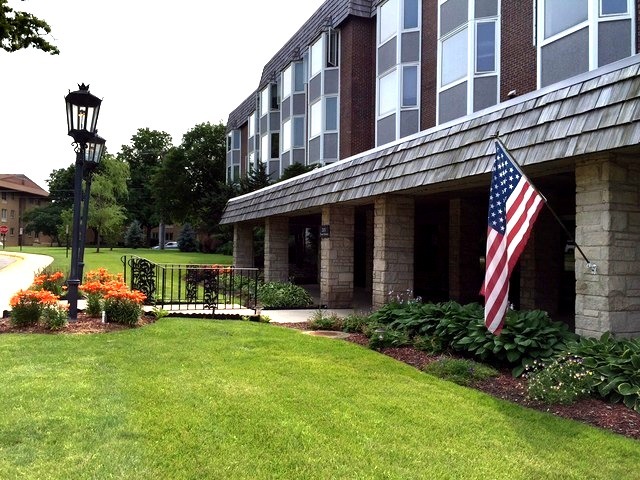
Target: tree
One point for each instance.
(256, 179)
(144, 156)
(187, 239)
(133, 237)
(22, 30)
(108, 190)
(294, 170)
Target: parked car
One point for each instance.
(167, 246)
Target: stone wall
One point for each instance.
(276, 249)
(336, 257)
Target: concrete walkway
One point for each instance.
(16, 273)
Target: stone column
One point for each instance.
(467, 225)
(243, 245)
(393, 257)
(336, 257)
(608, 230)
(276, 249)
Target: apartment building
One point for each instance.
(19, 194)
(398, 103)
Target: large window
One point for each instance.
(252, 124)
(264, 102)
(331, 113)
(298, 131)
(410, 86)
(388, 20)
(286, 135)
(286, 82)
(264, 148)
(575, 36)
(388, 87)
(468, 60)
(315, 65)
(315, 119)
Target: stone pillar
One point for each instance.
(608, 230)
(467, 225)
(276, 249)
(393, 257)
(243, 245)
(336, 252)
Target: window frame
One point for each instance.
(316, 56)
(287, 135)
(287, 81)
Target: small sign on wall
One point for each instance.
(324, 231)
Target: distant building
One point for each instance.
(398, 101)
(19, 194)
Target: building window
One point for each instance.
(236, 140)
(315, 65)
(411, 14)
(332, 48)
(264, 148)
(388, 93)
(4, 196)
(12, 231)
(299, 80)
(315, 119)
(298, 131)
(252, 124)
(4, 214)
(286, 135)
(286, 82)
(575, 36)
(410, 86)
(468, 60)
(455, 51)
(275, 145)
(388, 23)
(331, 113)
(264, 102)
(275, 97)
(12, 214)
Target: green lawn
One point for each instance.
(233, 400)
(111, 259)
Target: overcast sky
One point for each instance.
(160, 64)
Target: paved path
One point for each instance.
(16, 272)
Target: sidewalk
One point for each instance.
(18, 274)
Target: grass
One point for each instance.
(212, 399)
(111, 259)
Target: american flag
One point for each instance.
(513, 207)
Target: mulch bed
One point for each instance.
(597, 412)
(83, 325)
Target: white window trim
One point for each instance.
(313, 135)
(265, 100)
(286, 132)
(312, 57)
(594, 17)
(252, 125)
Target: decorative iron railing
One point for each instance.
(191, 286)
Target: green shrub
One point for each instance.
(122, 311)
(564, 380)
(283, 295)
(134, 237)
(616, 367)
(355, 323)
(429, 344)
(322, 321)
(187, 241)
(94, 304)
(460, 370)
(54, 317)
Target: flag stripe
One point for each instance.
(514, 205)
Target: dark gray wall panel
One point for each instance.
(299, 104)
(298, 155)
(330, 146)
(236, 157)
(486, 8)
(614, 41)
(453, 14)
(558, 64)
(284, 158)
(275, 122)
(387, 55)
(264, 124)
(485, 92)
(314, 88)
(331, 81)
(410, 47)
(409, 122)
(453, 103)
(274, 169)
(314, 150)
(386, 130)
(285, 108)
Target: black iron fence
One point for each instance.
(188, 286)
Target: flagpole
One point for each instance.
(591, 266)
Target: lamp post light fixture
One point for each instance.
(83, 109)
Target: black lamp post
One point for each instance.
(82, 117)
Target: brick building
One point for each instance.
(398, 101)
(17, 195)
